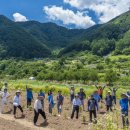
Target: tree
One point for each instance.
(111, 77)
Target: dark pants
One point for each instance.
(36, 115)
(16, 108)
(125, 120)
(92, 112)
(75, 108)
(29, 101)
(114, 99)
(109, 107)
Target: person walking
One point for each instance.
(124, 109)
(29, 95)
(4, 100)
(38, 110)
(82, 97)
(92, 107)
(76, 104)
(17, 104)
(60, 100)
(50, 101)
(109, 101)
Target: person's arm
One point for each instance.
(117, 89)
(84, 95)
(26, 88)
(32, 96)
(110, 89)
(88, 104)
(103, 87)
(96, 86)
(96, 104)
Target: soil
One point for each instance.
(54, 122)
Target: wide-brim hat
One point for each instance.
(124, 94)
(18, 91)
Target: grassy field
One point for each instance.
(55, 86)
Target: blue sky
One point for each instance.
(69, 13)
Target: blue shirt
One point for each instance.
(97, 97)
(124, 104)
(41, 94)
(82, 95)
(50, 99)
(60, 99)
(29, 94)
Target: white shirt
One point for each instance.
(16, 101)
(4, 96)
(76, 102)
(37, 105)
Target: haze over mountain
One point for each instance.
(33, 39)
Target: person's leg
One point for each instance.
(95, 114)
(58, 108)
(36, 114)
(9, 105)
(73, 111)
(111, 108)
(90, 116)
(83, 104)
(42, 113)
(77, 112)
(20, 109)
(2, 107)
(127, 119)
(50, 108)
(107, 108)
(14, 111)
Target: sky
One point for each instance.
(68, 13)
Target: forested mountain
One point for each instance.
(52, 35)
(105, 38)
(33, 39)
(16, 42)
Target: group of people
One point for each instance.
(77, 100)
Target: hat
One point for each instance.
(123, 94)
(76, 95)
(81, 88)
(109, 91)
(18, 91)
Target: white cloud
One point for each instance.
(105, 9)
(19, 17)
(79, 19)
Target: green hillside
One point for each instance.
(52, 35)
(33, 39)
(103, 39)
(16, 42)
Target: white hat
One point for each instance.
(18, 91)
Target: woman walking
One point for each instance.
(17, 104)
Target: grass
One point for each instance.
(55, 87)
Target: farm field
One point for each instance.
(108, 121)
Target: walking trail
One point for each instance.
(22, 122)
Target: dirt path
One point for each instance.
(18, 124)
